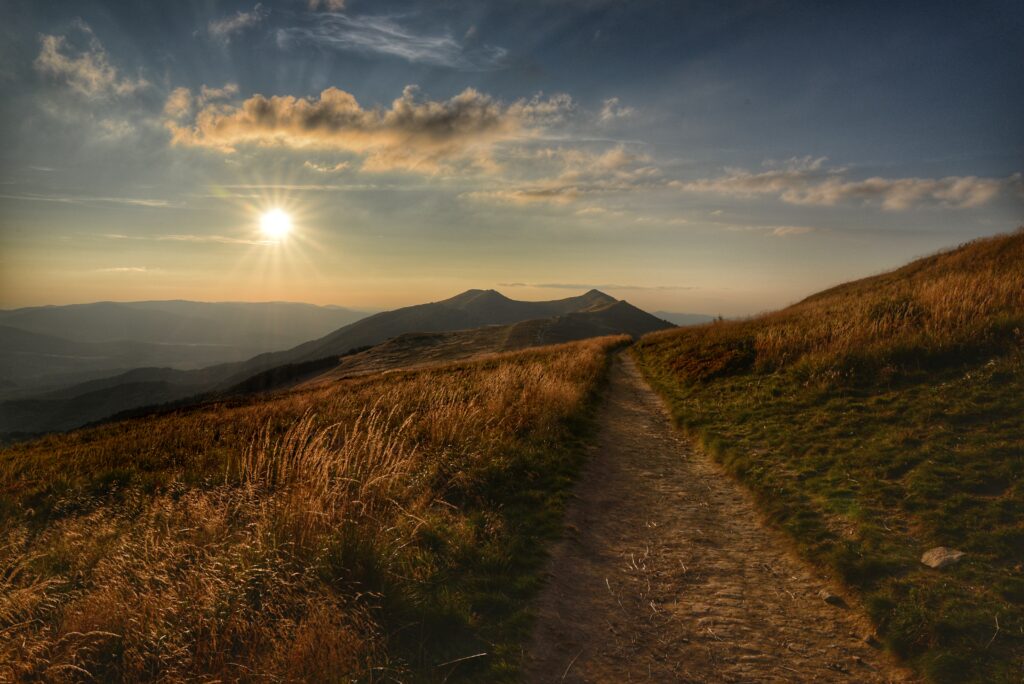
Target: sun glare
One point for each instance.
(275, 224)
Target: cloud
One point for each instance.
(805, 181)
(383, 35)
(787, 231)
(588, 286)
(208, 94)
(224, 28)
(86, 69)
(413, 134)
(328, 5)
(60, 199)
(215, 239)
(611, 111)
(123, 269)
(178, 104)
(582, 174)
(327, 168)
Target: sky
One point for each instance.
(710, 157)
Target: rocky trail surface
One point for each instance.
(667, 574)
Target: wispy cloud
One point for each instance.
(384, 35)
(612, 110)
(224, 28)
(80, 61)
(123, 269)
(175, 237)
(414, 134)
(788, 231)
(329, 5)
(581, 174)
(78, 199)
(807, 181)
(590, 286)
(327, 168)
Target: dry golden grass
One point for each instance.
(282, 538)
(934, 307)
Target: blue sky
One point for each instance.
(699, 156)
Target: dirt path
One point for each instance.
(667, 575)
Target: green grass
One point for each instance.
(870, 453)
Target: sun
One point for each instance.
(275, 224)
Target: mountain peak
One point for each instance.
(477, 297)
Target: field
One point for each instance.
(380, 528)
(877, 420)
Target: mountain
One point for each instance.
(521, 324)
(684, 318)
(48, 347)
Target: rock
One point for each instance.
(830, 598)
(940, 557)
(872, 641)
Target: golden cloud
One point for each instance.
(413, 134)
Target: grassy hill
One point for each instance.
(876, 420)
(381, 528)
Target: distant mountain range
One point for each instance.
(500, 323)
(48, 347)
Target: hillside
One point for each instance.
(517, 325)
(874, 421)
(53, 347)
(380, 528)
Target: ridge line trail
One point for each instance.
(666, 573)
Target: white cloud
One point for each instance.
(612, 110)
(85, 69)
(384, 36)
(241, 21)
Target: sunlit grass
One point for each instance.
(375, 528)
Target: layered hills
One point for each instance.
(473, 322)
(49, 347)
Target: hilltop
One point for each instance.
(876, 420)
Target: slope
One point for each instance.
(877, 420)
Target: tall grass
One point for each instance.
(967, 301)
(373, 529)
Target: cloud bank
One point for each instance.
(805, 181)
(413, 134)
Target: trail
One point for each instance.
(666, 573)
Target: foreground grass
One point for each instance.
(379, 529)
(877, 420)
